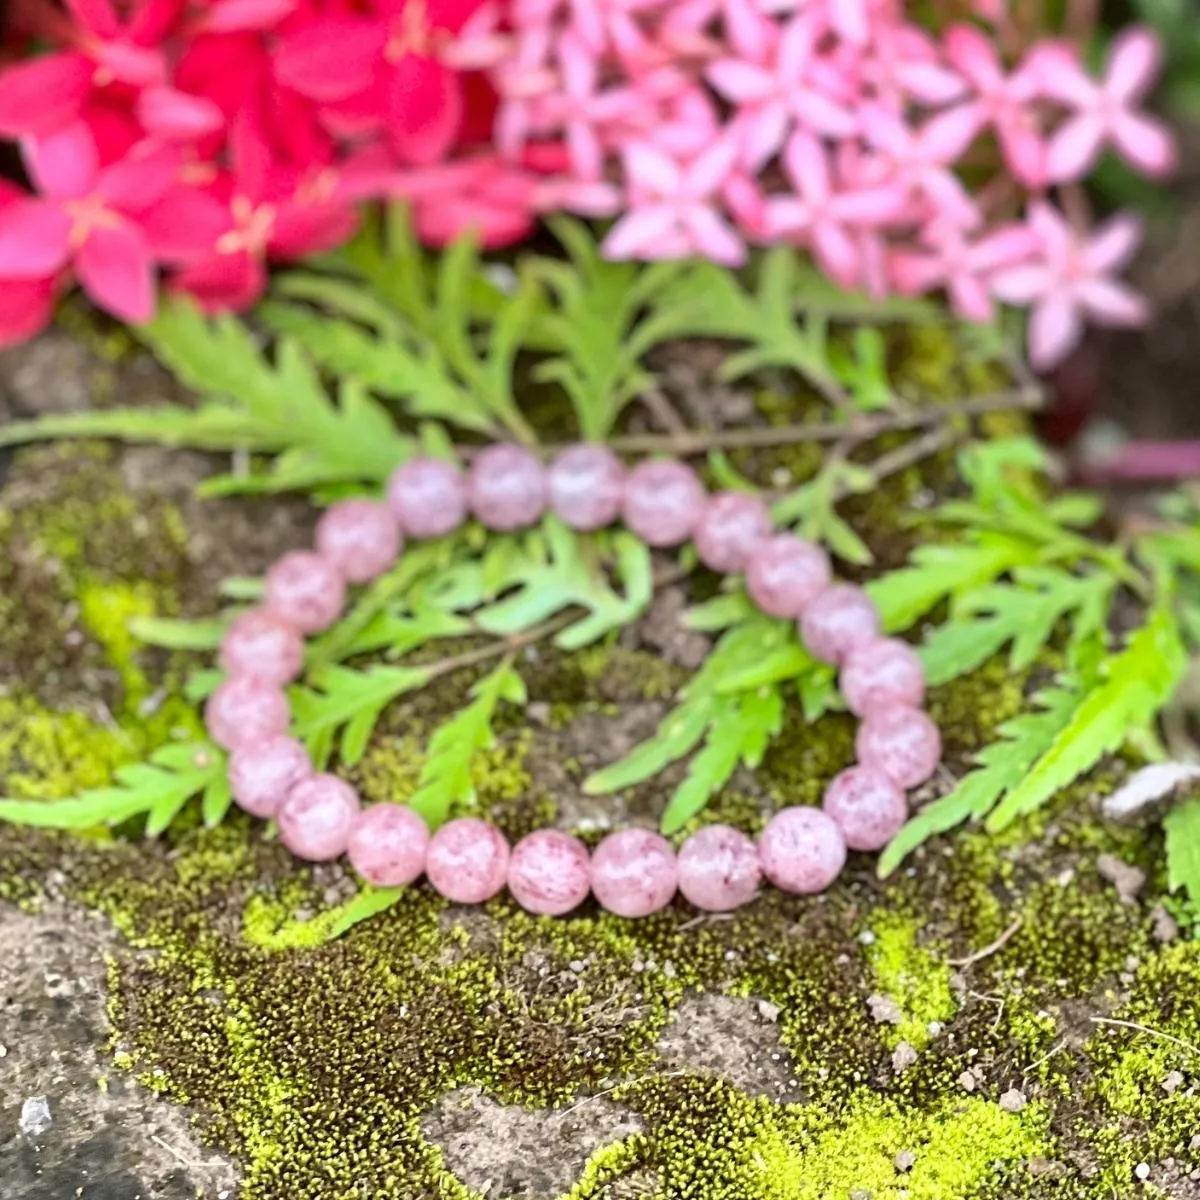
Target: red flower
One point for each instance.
(26, 305)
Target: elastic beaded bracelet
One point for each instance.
(632, 872)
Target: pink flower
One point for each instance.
(26, 305)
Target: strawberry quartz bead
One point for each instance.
(264, 771)
(882, 673)
(663, 502)
(801, 850)
(506, 487)
(719, 869)
(585, 485)
(549, 873)
(839, 620)
(360, 538)
(903, 743)
(388, 844)
(306, 590)
(428, 497)
(245, 709)
(634, 872)
(785, 574)
(467, 860)
(731, 525)
(316, 819)
(264, 646)
(866, 806)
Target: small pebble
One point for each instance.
(903, 1057)
(1013, 1101)
(904, 1161)
(966, 1081)
(35, 1116)
(1142, 1172)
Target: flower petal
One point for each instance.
(1054, 331)
(330, 58)
(424, 107)
(98, 17)
(116, 270)
(1074, 148)
(1021, 285)
(34, 239)
(44, 94)
(302, 229)
(649, 170)
(836, 252)
(184, 225)
(1133, 63)
(741, 82)
(223, 282)
(807, 167)
(26, 306)
(176, 116)
(62, 164)
(974, 56)
(1111, 303)
(1146, 144)
(141, 177)
(636, 233)
(712, 237)
(234, 16)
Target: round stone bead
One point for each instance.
(316, 818)
(840, 619)
(785, 574)
(882, 673)
(428, 497)
(506, 487)
(360, 537)
(467, 860)
(585, 485)
(731, 525)
(245, 709)
(719, 869)
(634, 872)
(262, 645)
(263, 772)
(549, 873)
(663, 502)
(387, 845)
(903, 743)
(306, 590)
(866, 806)
(801, 850)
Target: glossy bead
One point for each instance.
(549, 873)
(731, 525)
(388, 844)
(264, 771)
(634, 872)
(840, 619)
(785, 574)
(719, 869)
(903, 743)
(585, 486)
(316, 818)
(867, 806)
(263, 645)
(506, 487)
(306, 590)
(245, 709)
(360, 537)
(663, 501)
(801, 850)
(467, 860)
(882, 673)
(428, 497)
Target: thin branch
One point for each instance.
(1158, 1033)
(988, 950)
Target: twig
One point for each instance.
(623, 1083)
(1045, 1058)
(663, 412)
(1158, 1033)
(904, 457)
(187, 1162)
(988, 950)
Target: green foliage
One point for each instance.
(1182, 828)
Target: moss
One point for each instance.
(916, 978)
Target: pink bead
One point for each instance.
(883, 673)
(663, 501)
(866, 806)
(718, 869)
(306, 590)
(586, 486)
(785, 574)
(801, 850)
(261, 644)
(549, 873)
(506, 487)
(840, 619)
(467, 860)
(731, 525)
(245, 709)
(903, 743)
(316, 818)
(361, 539)
(263, 772)
(388, 844)
(634, 872)
(428, 497)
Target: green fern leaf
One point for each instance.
(1181, 826)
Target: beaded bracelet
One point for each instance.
(632, 872)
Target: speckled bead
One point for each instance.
(840, 619)
(903, 743)
(360, 537)
(388, 844)
(549, 873)
(719, 869)
(867, 806)
(634, 872)
(467, 860)
(244, 710)
(306, 590)
(316, 818)
(731, 525)
(882, 673)
(585, 487)
(785, 574)
(264, 771)
(663, 501)
(801, 850)
(428, 497)
(262, 645)
(506, 487)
